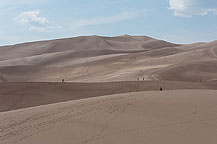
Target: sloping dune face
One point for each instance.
(23, 95)
(103, 59)
(88, 58)
(170, 117)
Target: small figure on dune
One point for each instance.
(161, 89)
(143, 79)
(63, 80)
(138, 79)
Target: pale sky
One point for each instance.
(178, 21)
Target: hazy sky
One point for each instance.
(179, 21)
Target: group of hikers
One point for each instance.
(142, 79)
(161, 89)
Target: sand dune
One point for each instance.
(106, 59)
(22, 95)
(180, 116)
(96, 59)
(70, 58)
(111, 91)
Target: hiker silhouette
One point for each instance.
(161, 89)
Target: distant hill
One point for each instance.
(97, 59)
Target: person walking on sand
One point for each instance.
(63, 80)
(161, 89)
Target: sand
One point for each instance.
(106, 59)
(177, 116)
(111, 91)
(22, 95)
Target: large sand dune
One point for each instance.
(111, 91)
(97, 59)
(180, 116)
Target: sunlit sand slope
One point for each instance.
(179, 116)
